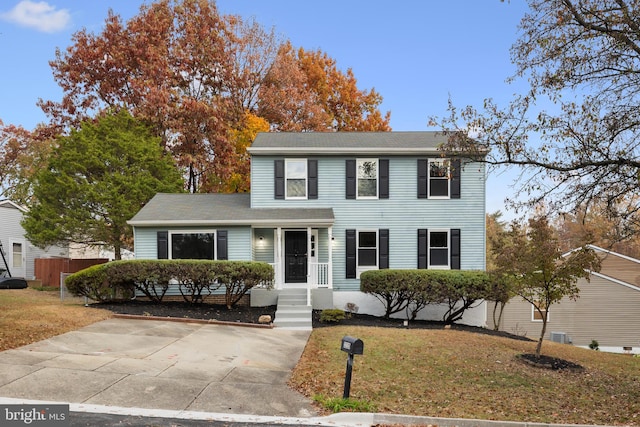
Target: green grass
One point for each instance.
(449, 373)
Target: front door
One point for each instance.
(295, 256)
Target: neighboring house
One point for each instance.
(324, 207)
(607, 309)
(19, 251)
(84, 251)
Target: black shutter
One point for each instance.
(222, 245)
(383, 248)
(455, 249)
(422, 247)
(384, 178)
(351, 179)
(312, 179)
(422, 179)
(278, 169)
(163, 244)
(351, 254)
(455, 178)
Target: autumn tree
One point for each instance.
(168, 66)
(576, 130)
(95, 180)
(531, 260)
(306, 91)
(501, 289)
(240, 179)
(593, 226)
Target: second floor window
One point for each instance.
(367, 178)
(296, 178)
(439, 178)
(439, 174)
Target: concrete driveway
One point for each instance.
(162, 365)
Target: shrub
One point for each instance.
(412, 290)
(332, 315)
(594, 345)
(120, 279)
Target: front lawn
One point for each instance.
(28, 315)
(461, 374)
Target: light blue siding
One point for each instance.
(403, 213)
(239, 241)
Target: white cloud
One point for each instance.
(39, 15)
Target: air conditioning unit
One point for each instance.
(559, 337)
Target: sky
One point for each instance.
(416, 54)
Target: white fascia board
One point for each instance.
(259, 222)
(385, 151)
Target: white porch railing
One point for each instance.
(319, 275)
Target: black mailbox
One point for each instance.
(352, 345)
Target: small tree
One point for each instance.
(538, 270)
(96, 179)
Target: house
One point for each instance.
(324, 207)
(606, 310)
(20, 253)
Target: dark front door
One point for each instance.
(295, 256)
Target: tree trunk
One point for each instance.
(544, 331)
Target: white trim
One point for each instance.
(323, 222)
(377, 162)
(11, 204)
(360, 269)
(306, 179)
(439, 160)
(534, 311)
(616, 281)
(199, 231)
(340, 151)
(439, 267)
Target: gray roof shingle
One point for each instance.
(212, 209)
(340, 143)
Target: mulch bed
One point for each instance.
(247, 314)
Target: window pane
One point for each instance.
(192, 246)
(367, 178)
(368, 169)
(296, 169)
(439, 239)
(296, 177)
(439, 169)
(367, 239)
(367, 188)
(296, 188)
(439, 257)
(439, 187)
(367, 257)
(17, 255)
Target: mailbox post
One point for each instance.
(351, 346)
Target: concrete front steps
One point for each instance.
(292, 311)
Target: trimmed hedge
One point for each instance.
(195, 279)
(412, 290)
